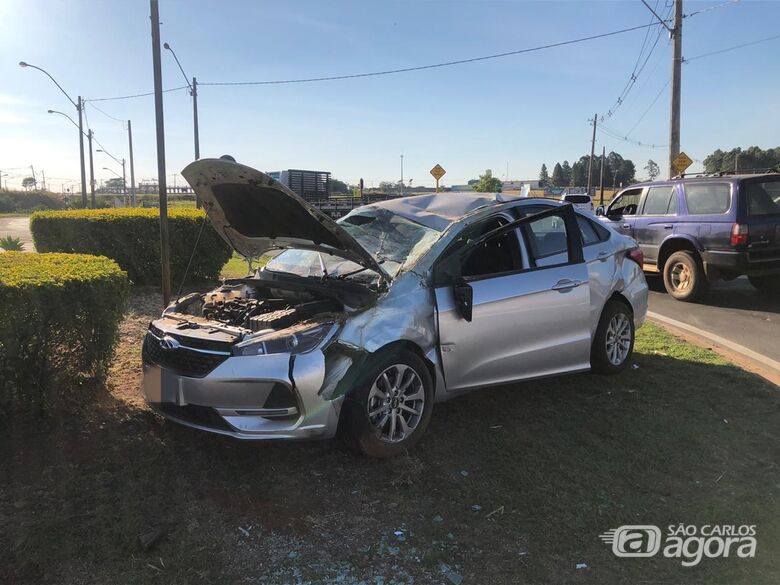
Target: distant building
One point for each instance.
(518, 185)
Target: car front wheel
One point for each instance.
(391, 408)
(613, 343)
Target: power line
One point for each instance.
(650, 107)
(106, 114)
(711, 8)
(435, 65)
(734, 48)
(135, 95)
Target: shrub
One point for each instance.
(11, 244)
(26, 201)
(131, 236)
(59, 316)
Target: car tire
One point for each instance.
(684, 277)
(769, 285)
(613, 344)
(371, 425)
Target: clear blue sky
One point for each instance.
(523, 110)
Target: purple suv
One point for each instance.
(695, 231)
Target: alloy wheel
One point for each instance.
(618, 339)
(396, 402)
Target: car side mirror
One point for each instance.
(600, 210)
(464, 297)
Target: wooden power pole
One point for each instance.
(674, 121)
(592, 149)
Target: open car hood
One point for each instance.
(254, 213)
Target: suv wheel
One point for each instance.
(391, 408)
(769, 284)
(684, 276)
(613, 343)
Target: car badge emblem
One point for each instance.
(168, 342)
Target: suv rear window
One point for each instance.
(708, 198)
(763, 198)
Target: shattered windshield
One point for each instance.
(392, 240)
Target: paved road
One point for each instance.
(733, 310)
(18, 227)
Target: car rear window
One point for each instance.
(592, 233)
(576, 198)
(708, 198)
(763, 198)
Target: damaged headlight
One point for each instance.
(287, 341)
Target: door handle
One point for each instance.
(566, 284)
(626, 225)
(667, 226)
(603, 256)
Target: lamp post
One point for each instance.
(79, 105)
(124, 176)
(194, 93)
(91, 168)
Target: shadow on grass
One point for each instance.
(512, 484)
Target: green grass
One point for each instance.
(509, 485)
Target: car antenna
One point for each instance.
(195, 247)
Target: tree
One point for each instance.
(652, 169)
(579, 174)
(337, 186)
(387, 187)
(750, 159)
(557, 176)
(29, 183)
(490, 184)
(544, 178)
(566, 169)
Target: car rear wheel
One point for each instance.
(769, 285)
(613, 343)
(684, 277)
(391, 408)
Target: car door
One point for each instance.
(621, 213)
(514, 321)
(656, 219)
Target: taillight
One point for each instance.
(739, 234)
(637, 256)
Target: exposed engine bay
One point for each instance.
(257, 308)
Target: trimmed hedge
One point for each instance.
(131, 236)
(59, 318)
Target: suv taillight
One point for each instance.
(637, 256)
(739, 234)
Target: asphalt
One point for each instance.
(19, 227)
(732, 310)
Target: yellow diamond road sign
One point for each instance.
(438, 172)
(681, 162)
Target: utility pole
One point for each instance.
(43, 177)
(674, 122)
(91, 170)
(592, 148)
(195, 117)
(132, 166)
(161, 179)
(402, 175)
(601, 174)
(80, 108)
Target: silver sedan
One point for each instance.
(358, 327)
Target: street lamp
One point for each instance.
(91, 167)
(79, 105)
(194, 93)
(122, 162)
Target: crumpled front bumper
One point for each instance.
(273, 396)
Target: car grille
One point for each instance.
(203, 416)
(183, 360)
